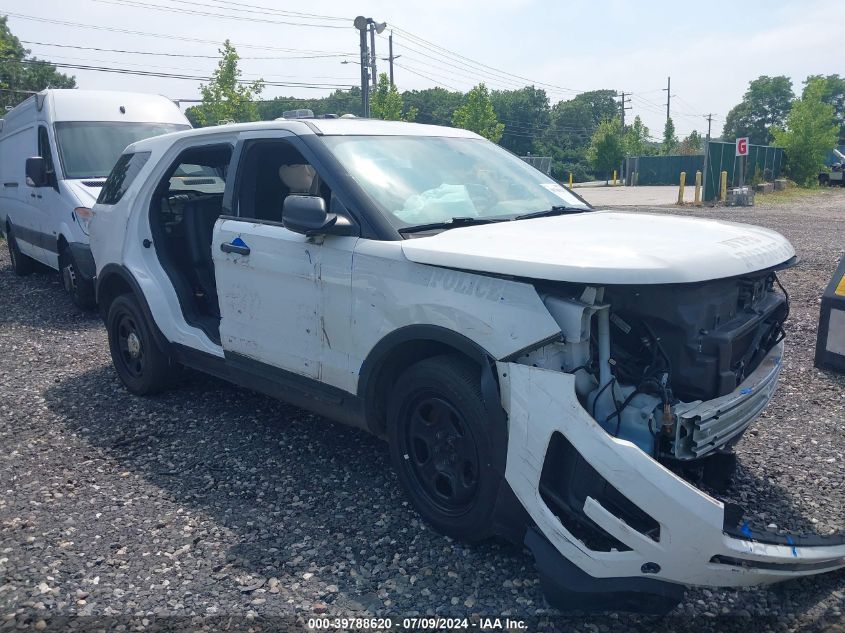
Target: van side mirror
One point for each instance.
(36, 172)
(307, 215)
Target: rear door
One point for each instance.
(269, 279)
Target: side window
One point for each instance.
(122, 175)
(44, 149)
(271, 171)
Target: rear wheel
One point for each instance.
(442, 446)
(139, 362)
(21, 264)
(80, 292)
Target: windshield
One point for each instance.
(429, 179)
(90, 149)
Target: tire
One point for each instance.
(22, 264)
(141, 366)
(443, 446)
(81, 292)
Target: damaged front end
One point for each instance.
(612, 428)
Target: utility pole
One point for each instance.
(361, 24)
(706, 166)
(709, 118)
(390, 56)
(373, 53)
(668, 89)
(626, 98)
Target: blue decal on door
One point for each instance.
(238, 241)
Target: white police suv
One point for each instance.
(561, 376)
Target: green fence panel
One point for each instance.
(665, 170)
(722, 157)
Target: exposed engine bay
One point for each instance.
(650, 360)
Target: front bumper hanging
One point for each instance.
(698, 541)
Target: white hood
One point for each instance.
(85, 194)
(606, 247)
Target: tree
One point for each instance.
(766, 103)
(636, 138)
(833, 94)
(670, 141)
(692, 144)
(606, 146)
(433, 105)
(809, 134)
(227, 97)
(21, 74)
(525, 113)
(386, 102)
(477, 114)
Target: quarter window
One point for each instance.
(121, 177)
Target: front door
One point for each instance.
(268, 278)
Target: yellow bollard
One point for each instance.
(681, 187)
(614, 177)
(698, 188)
(570, 180)
(723, 187)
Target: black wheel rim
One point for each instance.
(130, 346)
(441, 454)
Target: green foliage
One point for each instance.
(670, 140)
(31, 77)
(477, 114)
(226, 97)
(525, 113)
(833, 94)
(766, 103)
(607, 148)
(433, 105)
(636, 138)
(386, 102)
(339, 102)
(809, 134)
(693, 144)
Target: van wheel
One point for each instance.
(81, 293)
(21, 264)
(139, 363)
(442, 446)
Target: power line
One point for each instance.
(191, 55)
(262, 9)
(127, 71)
(157, 7)
(180, 38)
(446, 51)
(419, 74)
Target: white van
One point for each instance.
(56, 149)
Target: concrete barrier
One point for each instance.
(764, 187)
(780, 184)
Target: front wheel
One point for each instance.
(140, 364)
(81, 292)
(443, 446)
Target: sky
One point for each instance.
(710, 51)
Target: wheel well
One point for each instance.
(388, 369)
(108, 289)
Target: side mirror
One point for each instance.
(307, 215)
(36, 172)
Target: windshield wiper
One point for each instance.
(450, 224)
(556, 210)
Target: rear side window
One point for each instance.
(122, 174)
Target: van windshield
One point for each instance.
(89, 149)
(418, 180)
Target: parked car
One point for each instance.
(56, 149)
(541, 370)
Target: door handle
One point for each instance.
(226, 247)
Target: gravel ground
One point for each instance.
(216, 502)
